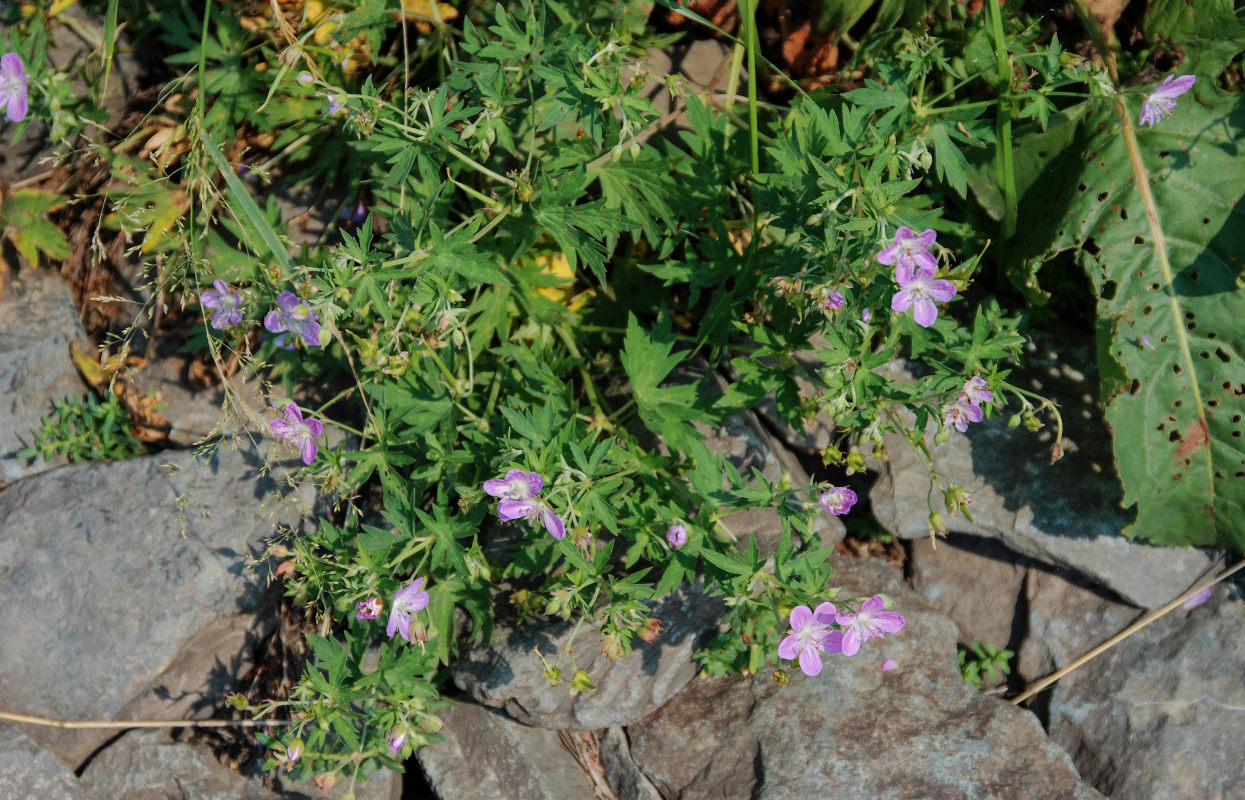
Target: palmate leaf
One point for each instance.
(1161, 234)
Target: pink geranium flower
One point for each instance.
(396, 740)
(677, 536)
(407, 602)
(13, 92)
(226, 302)
(297, 431)
(919, 291)
(960, 413)
(869, 623)
(911, 249)
(293, 315)
(1162, 101)
(518, 492)
(838, 500)
(977, 391)
(810, 636)
(369, 608)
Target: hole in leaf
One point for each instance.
(1193, 274)
(1176, 370)
(1205, 355)
(1124, 213)
(1102, 196)
(1082, 188)
(1134, 387)
(1147, 309)
(1223, 355)
(1191, 326)
(1174, 436)
(1164, 153)
(1139, 240)
(1236, 418)
(1154, 287)
(1205, 220)
(1108, 290)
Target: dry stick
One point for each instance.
(1124, 634)
(141, 723)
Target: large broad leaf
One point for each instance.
(1155, 220)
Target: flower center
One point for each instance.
(811, 636)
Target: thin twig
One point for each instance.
(1157, 613)
(46, 722)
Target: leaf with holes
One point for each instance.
(1166, 256)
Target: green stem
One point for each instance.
(1005, 170)
(748, 9)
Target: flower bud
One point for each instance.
(937, 524)
(581, 681)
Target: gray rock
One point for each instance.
(147, 765)
(854, 731)
(509, 673)
(38, 320)
(196, 414)
(150, 554)
(1159, 715)
(1065, 514)
(486, 756)
(625, 778)
(383, 784)
(976, 582)
(29, 771)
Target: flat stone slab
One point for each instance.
(38, 321)
(509, 674)
(119, 566)
(487, 755)
(29, 771)
(147, 764)
(1066, 514)
(855, 732)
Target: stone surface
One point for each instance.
(976, 582)
(147, 765)
(38, 320)
(195, 414)
(625, 778)
(509, 673)
(855, 732)
(1065, 514)
(29, 771)
(1159, 715)
(380, 785)
(488, 756)
(148, 554)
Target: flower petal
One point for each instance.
(553, 523)
(800, 617)
(926, 238)
(833, 642)
(786, 648)
(508, 509)
(889, 622)
(902, 300)
(873, 605)
(810, 662)
(825, 613)
(851, 642)
(940, 290)
(924, 311)
(497, 487)
(309, 450)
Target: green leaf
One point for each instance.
(251, 217)
(1208, 31)
(24, 219)
(1163, 251)
(648, 361)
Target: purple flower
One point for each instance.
(1162, 101)
(292, 315)
(870, 623)
(407, 602)
(960, 413)
(977, 390)
(866, 315)
(517, 485)
(13, 86)
(369, 608)
(396, 740)
(838, 500)
(919, 290)
(831, 300)
(888, 665)
(226, 301)
(810, 636)
(518, 492)
(301, 433)
(1197, 599)
(910, 249)
(677, 536)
